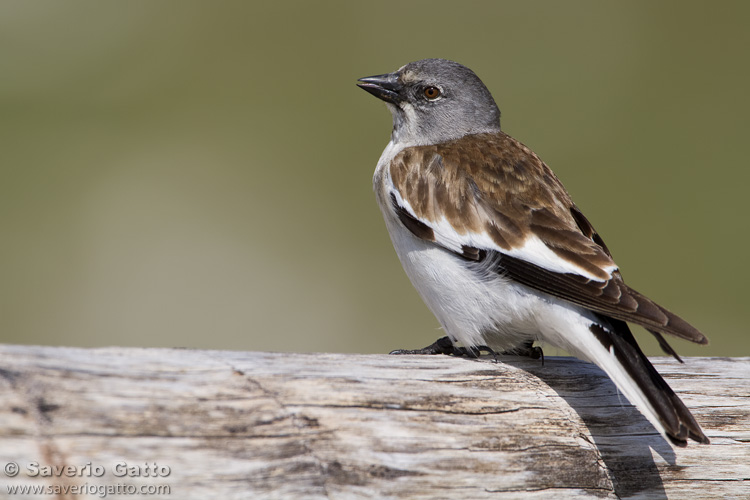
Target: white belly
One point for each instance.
(472, 309)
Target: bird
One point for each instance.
(497, 249)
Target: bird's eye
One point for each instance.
(431, 93)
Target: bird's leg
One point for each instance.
(527, 349)
(444, 345)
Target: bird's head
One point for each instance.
(434, 100)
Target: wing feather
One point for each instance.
(490, 191)
(487, 194)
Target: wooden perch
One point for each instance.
(219, 424)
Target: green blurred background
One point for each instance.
(199, 173)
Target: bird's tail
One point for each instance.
(618, 354)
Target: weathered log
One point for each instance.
(219, 424)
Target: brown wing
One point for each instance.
(490, 184)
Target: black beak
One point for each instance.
(385, 87)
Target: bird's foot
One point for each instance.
(444, 345)
(527, 349)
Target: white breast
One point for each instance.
(471, 309)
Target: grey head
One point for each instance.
(434, 100)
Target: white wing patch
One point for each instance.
(536, 252)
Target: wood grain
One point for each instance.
(337, 426)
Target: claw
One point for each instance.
(444, 345)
